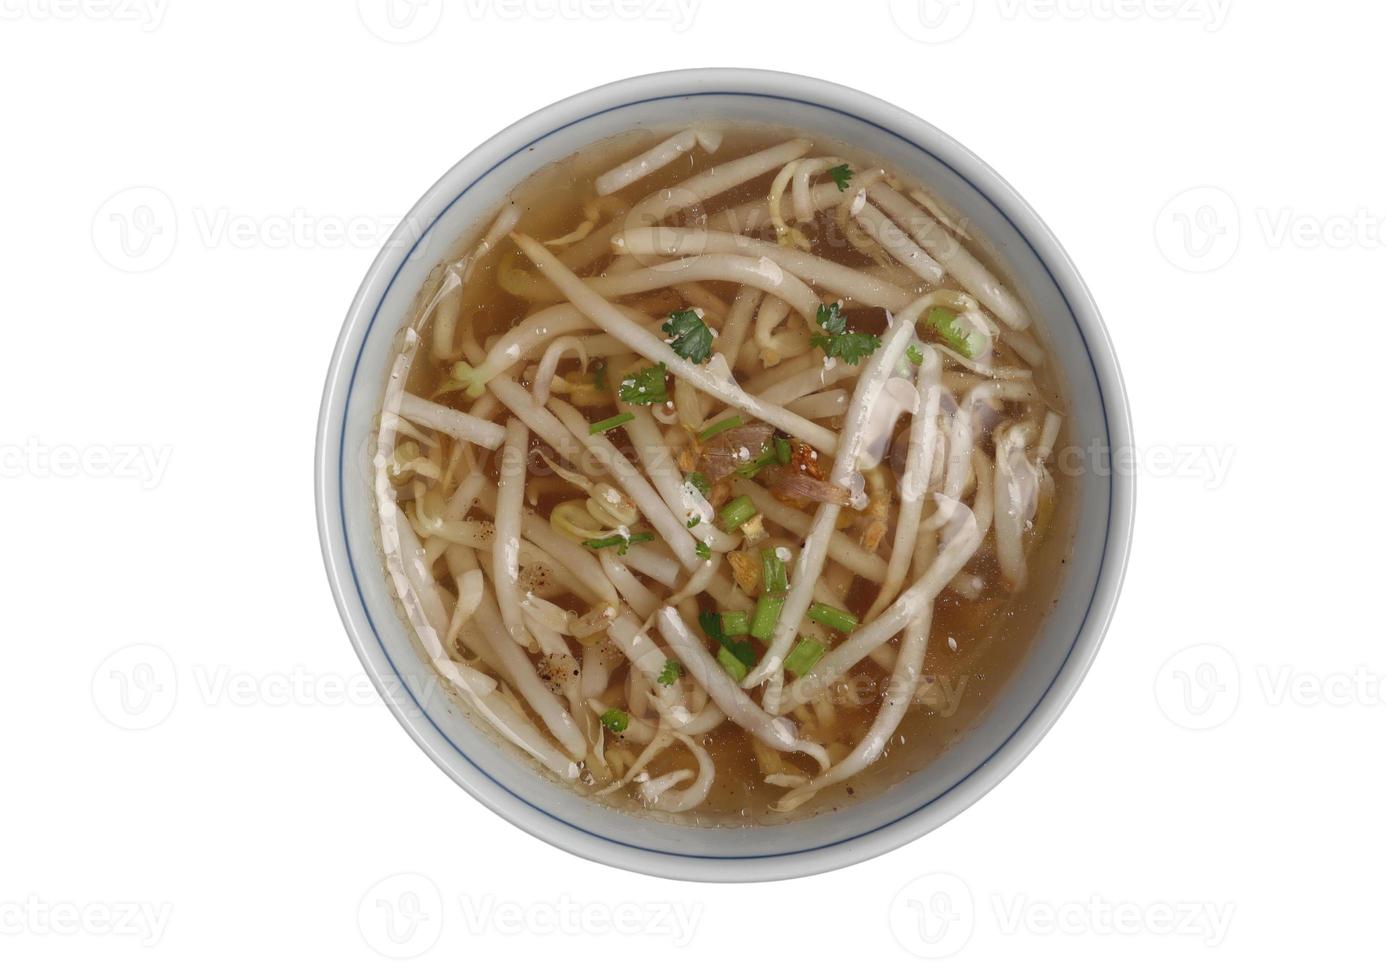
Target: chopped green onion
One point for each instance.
(773, 577)
(740, 649)
(694, 521)
(599, 376)
(616, 420)
(615, 720)
(749, 470)
(737, 512)
(717, 428)
(731, 665)
(700, 483)
(767, 614)
(915, 355)
(672, 671)
(837, 619)
(702, 550)
(736, 623)
(778, 451)
(620, 541)
(805, 654)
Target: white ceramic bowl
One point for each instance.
(494, 775)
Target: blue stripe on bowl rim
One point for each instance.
(341, 478)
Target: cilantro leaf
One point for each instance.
(838, 341)
(615, 720)
(841, 175)
(644, 387)
(831, 318)
(692, 337)
(851, 347)
(672, 671)
(740, 649)
(943, 322)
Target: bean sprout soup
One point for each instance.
(716, 474)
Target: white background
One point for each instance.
(1211, 801)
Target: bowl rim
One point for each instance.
(329, 458)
